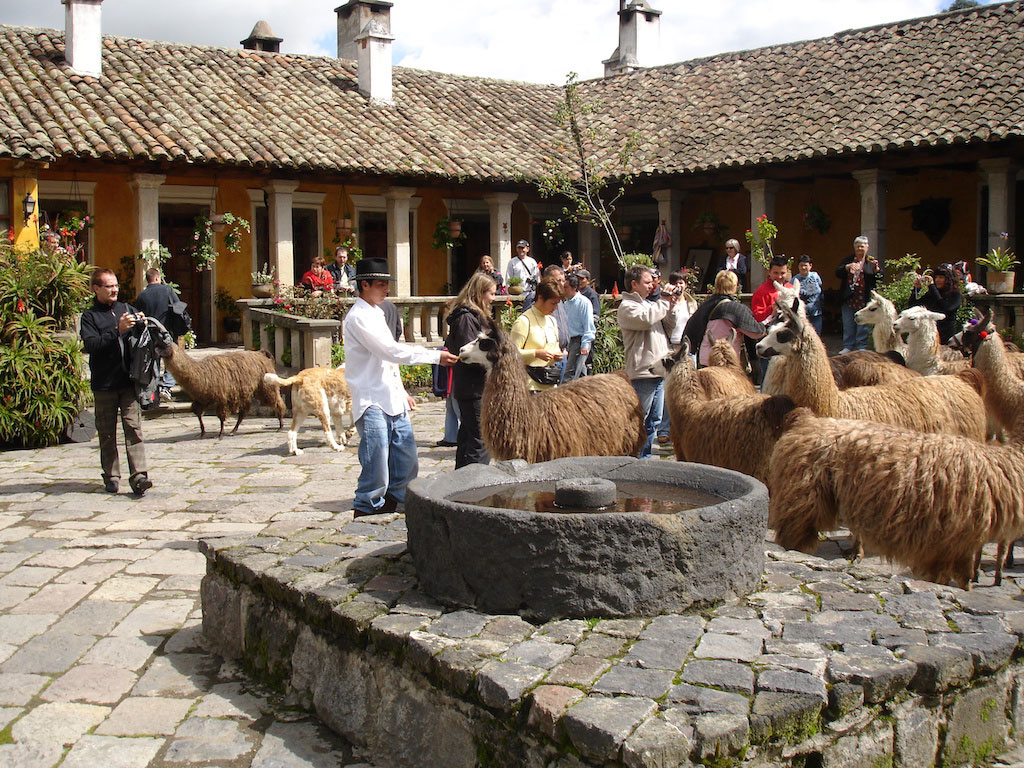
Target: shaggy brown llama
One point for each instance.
(945, 404)
(734, 432)
(724, 375)
(225, 383)
(928, 501)
(592, 416)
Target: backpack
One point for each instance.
(441, 379)
(179, 322)
(144, 365)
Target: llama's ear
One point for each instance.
(710, 336)
(876, 296)
(732, 336)
(684, 348)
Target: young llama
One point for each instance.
(724, 375)
(881, 313)
(924, 353)
(947, 404)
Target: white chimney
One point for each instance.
(639, 38)
(83, 36)
(374, 59)
(352, 20)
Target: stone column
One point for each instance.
(146, 187)
(874, 185)
(589, 238)
(762, 203)
(499, 206)
(399, 250)
(670, 211)
(1000, 174)
(279, 212)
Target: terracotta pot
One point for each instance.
(515, 290)
(1000, 282)
(262, 290)
(343, 227)
(454, 228)
(625, 230)
(217, 222)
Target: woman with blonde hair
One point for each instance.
(469, 314)
(535, 332)
(720, 313)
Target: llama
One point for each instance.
(948, 404)
(924, 352)
(881, 313)
(225, 383)
(735, 432)
(870, 372)
(925, 500)
(724, 376)
(592, 416)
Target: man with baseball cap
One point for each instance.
(380, 404)
(524, 267)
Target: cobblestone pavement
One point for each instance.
(101, 656)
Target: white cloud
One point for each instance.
(535, 40)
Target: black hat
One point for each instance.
(522, 244)
(373, 269)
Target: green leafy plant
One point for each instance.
(899, 282)
(630, 259)
(592, 180)
(607, 352)
(204, 250)
(761, 241)
(443, 238)
(189, 339)
(415, 375)
(711, 224)
(1001, 258)
(816, 218)
(48, 283)
(552, 235)
(225, 303)
(263, 275)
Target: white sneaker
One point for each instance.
(845, 351)
(165, 396)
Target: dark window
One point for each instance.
(304, 240)
(5, 205)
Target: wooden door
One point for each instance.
(177, 222)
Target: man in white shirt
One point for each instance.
(524, 267)
(387, 446)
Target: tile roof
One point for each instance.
(952, 78)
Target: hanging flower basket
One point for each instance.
(217, 222)
(454, 228)
(343, 226)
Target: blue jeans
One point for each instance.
(652, 399)
(387, 455)
(816, 323)
(854, 336)
(451, 419)
(664, 426)
(575, 363)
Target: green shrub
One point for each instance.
(416, 375)
(607, 351)
(50, 284)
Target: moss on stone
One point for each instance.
(5, 735)
(986, 709)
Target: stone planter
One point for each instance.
(262, 290)
(515, 290)
(1000, 282)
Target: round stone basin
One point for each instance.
(543, 564)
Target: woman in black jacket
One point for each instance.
(942, 296)
(469, 314)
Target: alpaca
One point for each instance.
(926, 500)
(924, 354)
(735, 432)
(322, 392)
(225, 383)
(592, 416)
(970, 338)
(881, 313)
(948, 404)
(865, 372)
(724, 376)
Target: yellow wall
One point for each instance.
(432, 266)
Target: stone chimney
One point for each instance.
(374, 58)
(262, 39)
(83, 36)
(639, 38)
(352, 20)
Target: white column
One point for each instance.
(762, 203)
(874, 186)
(670, 211)
(1000, 174)
(279, 213)
(499, 207)
(589, 238)
(146, 187)
(399, 251)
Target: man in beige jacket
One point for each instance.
(643, 335)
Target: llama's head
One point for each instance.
(666, 365)
(483, 350)
(167, 350)
(783, 338)
(786, 297)
(971, 336)
(917, 320)
(723, 351)
(875, 311)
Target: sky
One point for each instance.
(533, 40)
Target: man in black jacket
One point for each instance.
(156, 301)
(106, 326)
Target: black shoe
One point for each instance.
(445, 444)
(140, 484)
(110, 486)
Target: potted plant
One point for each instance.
(204, 251)
(263, 282)
(816, 218)
(710, 223)
(343, 225)
(231, 317)
(515, 285)
(1000, 262)
(446, 234)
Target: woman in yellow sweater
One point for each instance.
(536, 334)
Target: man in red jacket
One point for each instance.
(763, 301)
